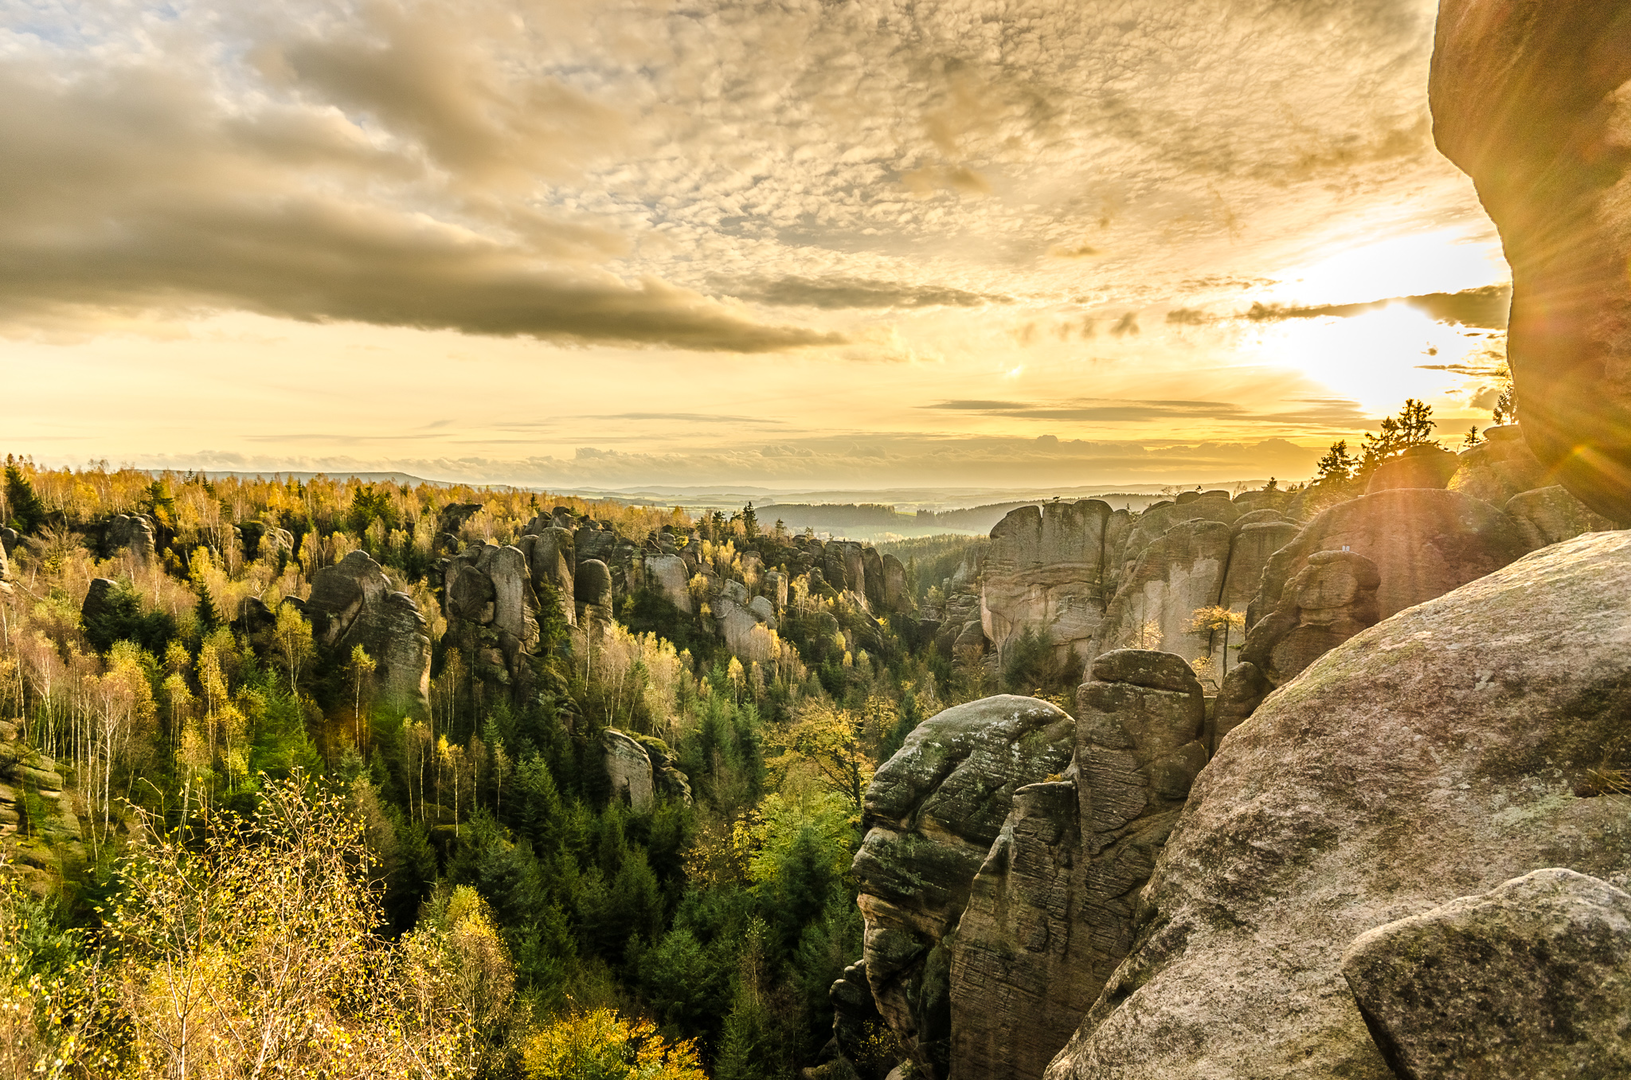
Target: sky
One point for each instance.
(622, 243)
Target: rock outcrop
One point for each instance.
(628, 767)
(36, 819)
(1177, 573)
(1423, 543)
(1549, 515)
(1424, 466)
(352, 603)
(1332, 598)
(1531, 979)
(1050, 912)
(1046, 571)
(1433, 756)
(932, 813)
(1499, 467)
(1546, 151)
(133, 533)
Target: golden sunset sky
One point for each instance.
(856, 243)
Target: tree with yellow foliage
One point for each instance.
(253, 951)
(601, 1045)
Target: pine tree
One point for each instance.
(27, 511)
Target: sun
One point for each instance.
(1443, 261)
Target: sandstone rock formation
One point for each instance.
(1177, 573)
(1332, 598)
(1435, 755)
(352, 603)
(932, 813)
(133, 533)
(668, 575)
(1424, 466)
(1499, 467)
(1046, 571)
(628, 767)
(1424, 543)
(1531, 979)
(551, 560)
(1050, 913)
(1548, 515)
(35, 817)
(1547, 153)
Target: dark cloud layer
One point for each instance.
(129, 188)
(1483, 308)
(1320, 413)
(834, 293)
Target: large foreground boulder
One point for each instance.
(1436, 755)
(1526, 99)
(1531, 980)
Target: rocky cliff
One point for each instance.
(1435, 755)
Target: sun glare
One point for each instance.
(1447, 260)
(1376, 359)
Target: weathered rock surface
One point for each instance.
(1531, 979)
(1050, 913)
(1332, 598)
(932, 813)
(628, 767)
(1177, 573)
(352, 603)
(1499, 467)
(130, 532)
(667, 574)
(1424, 466)
(1433, 756)
(1548, 156)
(593, 583)
(551, 558)
(1250, 548)
(1424, 543)
(1548, 515)
(35, 817)
(1045, 571)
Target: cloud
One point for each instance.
(857, 293)
(1483, 308)
(131, 189)
(1335, 412)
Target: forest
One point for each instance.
(277, 871)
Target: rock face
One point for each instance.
(1178, 572)
(932, 813)
(1045, 571)
(352, 603)
(551, 559)
(1548, 157)
(34, 815)
(1548, 515)
(1050, 913)
(1332, 598)
(1436, 755)
(628, 766)
(1423, 543)
(1531, 979)
(667, 574)
(130, 532)
(1499, 467)
(1424, 466)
